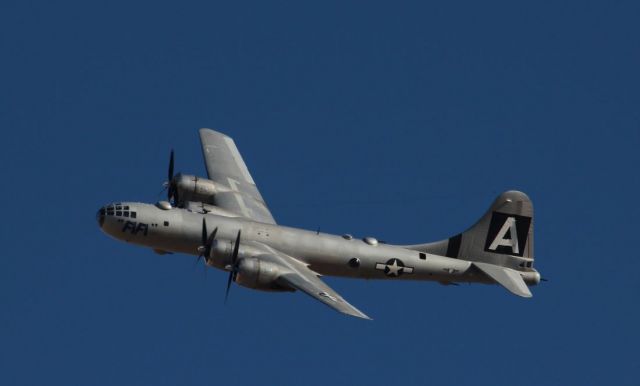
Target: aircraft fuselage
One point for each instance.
(180, 230)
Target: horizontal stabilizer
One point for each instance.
(506, 277)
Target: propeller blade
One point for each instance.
(203, 247)
(234, 267)
(234, 257)
(171, 166)
(209, 242)
(169, 185)
(226, 294)
(204, 231)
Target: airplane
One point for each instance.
(224, 221)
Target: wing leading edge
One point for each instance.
(225, 166)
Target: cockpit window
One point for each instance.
(117, 210)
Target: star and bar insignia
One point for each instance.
(394, 267)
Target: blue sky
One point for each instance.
(399, 120)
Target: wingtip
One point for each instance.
(359, 314)
(204, 130)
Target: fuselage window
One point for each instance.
(423, 256)
(166, 223)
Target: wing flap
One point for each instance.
(508, 278)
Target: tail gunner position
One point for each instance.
(225, 222)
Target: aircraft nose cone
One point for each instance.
(100, 216)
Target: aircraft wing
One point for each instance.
(226, 167)
(298, 276)
(311, 284)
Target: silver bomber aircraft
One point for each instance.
(225, 222)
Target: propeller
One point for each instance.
(234, 266)
(169, 185)
(207, 242)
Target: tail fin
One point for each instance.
(503, 236)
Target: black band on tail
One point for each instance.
(453, 248)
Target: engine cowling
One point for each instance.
(196, 189)
(259, 274)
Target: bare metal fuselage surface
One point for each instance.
(179, 230)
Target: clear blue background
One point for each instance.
(399, 120)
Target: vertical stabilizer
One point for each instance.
(503, 236)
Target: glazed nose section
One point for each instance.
(100, 216)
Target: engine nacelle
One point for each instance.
(193, 188)
(259, 274)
